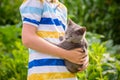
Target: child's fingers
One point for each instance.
(84, 65)
(83, 59)
(82, 51)
(79, 49)
(83, 68)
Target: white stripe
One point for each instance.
(37, 55)
(47, 69)
(32, 3)
(50, 15)
(31, 16)
(50, 28)
(53, 40)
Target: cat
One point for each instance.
(74, 38)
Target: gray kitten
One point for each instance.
(74, 38)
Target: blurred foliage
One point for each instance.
(9, 12)
(13, 55)
(99, 16)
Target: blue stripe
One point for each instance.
(46, 62)
(51, 21)
(63, 26)
(48, 21)
(31, 21)
(32, 10)
(58, 23)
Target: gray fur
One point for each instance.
(74, 38)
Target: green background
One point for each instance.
(100, 17)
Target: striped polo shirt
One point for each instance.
(50, 20)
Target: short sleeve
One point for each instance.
(31, 12)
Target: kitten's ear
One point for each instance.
(80, 31)
(70, 22)
(84, 29)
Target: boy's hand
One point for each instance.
(77, 56)
(86, 62)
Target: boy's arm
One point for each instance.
(31, 40)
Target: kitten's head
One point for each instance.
(74, 32)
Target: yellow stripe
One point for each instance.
(49, 34)
(50, 76)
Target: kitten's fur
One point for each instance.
(74, 38)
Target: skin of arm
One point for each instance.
(31, 40)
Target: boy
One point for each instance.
(47, 20)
